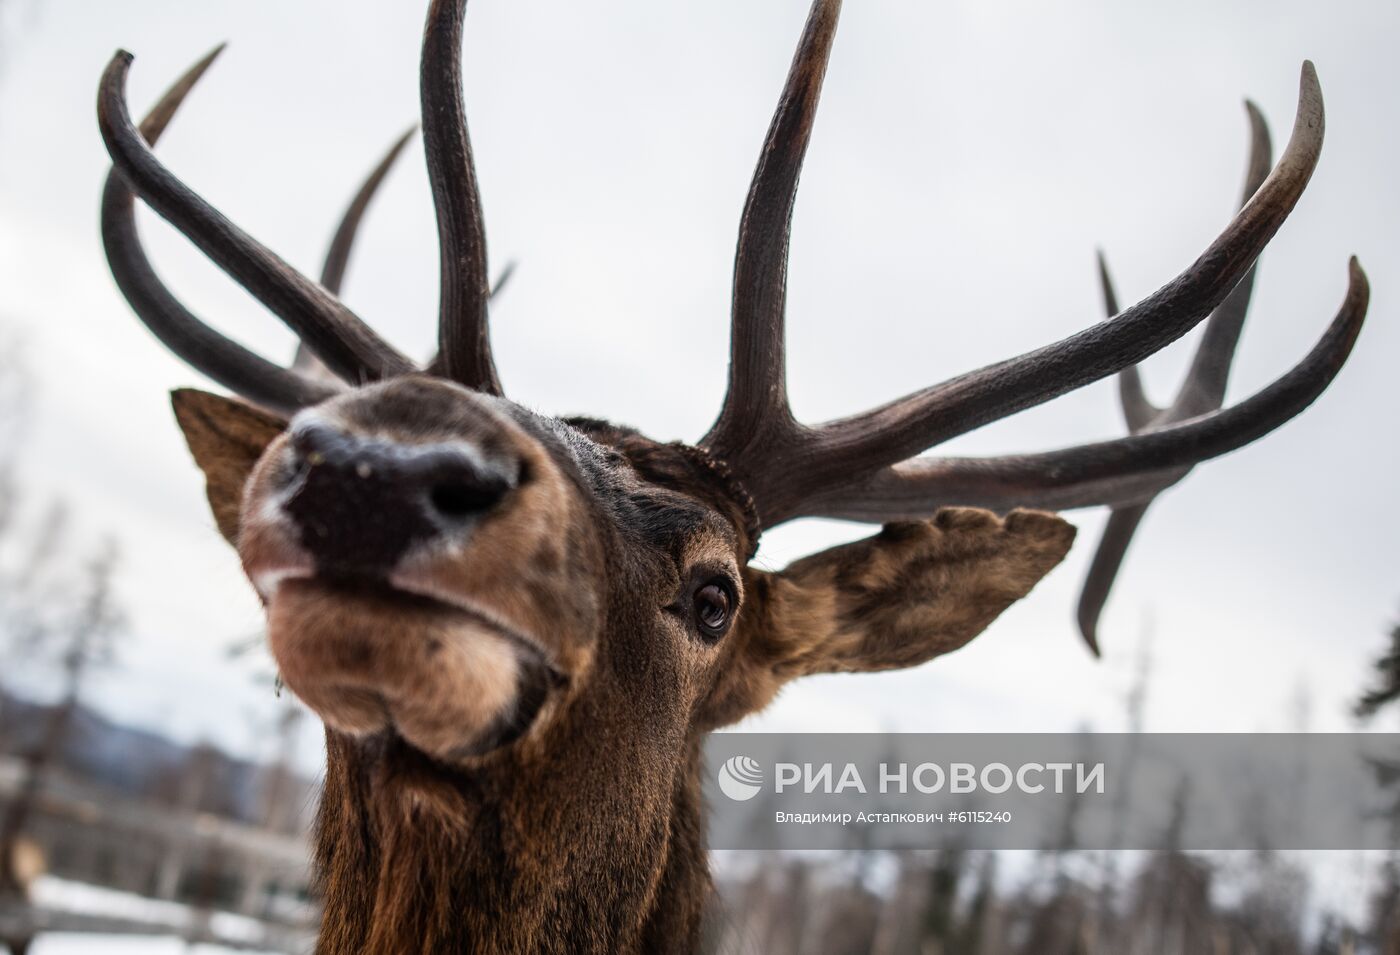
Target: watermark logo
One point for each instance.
(740, 778)
(1015, 791)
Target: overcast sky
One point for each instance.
(968, 158)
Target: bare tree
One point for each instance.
(33, 594)
(16, 386)
(87, 642)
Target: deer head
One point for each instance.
(508, 620)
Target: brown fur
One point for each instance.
(226, 439)
(585, 831)
(898, 599)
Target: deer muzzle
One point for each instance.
(418, 556)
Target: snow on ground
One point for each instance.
(69, 896)
(95, 900)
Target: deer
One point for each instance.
(518, 629)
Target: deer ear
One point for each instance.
(910, 593)
(227, 438)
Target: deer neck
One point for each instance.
(602, 860)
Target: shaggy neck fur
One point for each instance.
(525, 860)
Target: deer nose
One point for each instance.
(360, 503)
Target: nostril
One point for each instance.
(312, 439)
(362, 501)
(460, 500)
(457, 483)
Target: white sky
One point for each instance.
(968, 158)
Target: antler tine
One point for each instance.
(1118, 533)
(1203, 391)
(503, 279)
(909, 425)
(464, 337)
(756, 404)
(1119, 471)
(1138, 410)
(222, 359)
(335, 333)
(338, 255)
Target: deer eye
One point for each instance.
(713, 606)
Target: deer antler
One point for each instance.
(860, 467)
(338, 337)
(182, 332)
(331, 331)
(1105, 472)
(464, 337)
(1202, 392)
(338, 255)
(755, 407)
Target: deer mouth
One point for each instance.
(447, 677)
